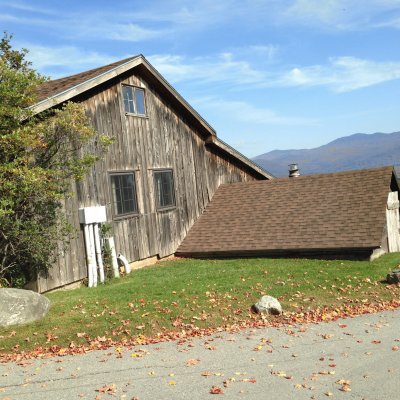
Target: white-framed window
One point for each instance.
(164, 188)
(134, 102)
(123, 191)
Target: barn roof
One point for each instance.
(305, 215)
(56, 92)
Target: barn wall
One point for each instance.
(162, 139)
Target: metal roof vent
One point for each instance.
(293, 171)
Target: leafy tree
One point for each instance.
(39, 156)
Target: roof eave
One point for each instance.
(220, 144)
(82, 87)
(323, 253)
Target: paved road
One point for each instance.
(301, 362)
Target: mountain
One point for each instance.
(356, 151)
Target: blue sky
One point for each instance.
(266, 74)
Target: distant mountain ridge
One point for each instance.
(356, 151)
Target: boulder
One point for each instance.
(19, 306)
(268, 305)
(394, 276)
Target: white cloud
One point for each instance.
(26, 7)
(125, 32)
(341, 14)
(222, 68)
(65, 59)
(342, 74)
(245, 112)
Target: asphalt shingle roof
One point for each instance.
(327, 211)
(51, 88)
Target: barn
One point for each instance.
(158, 176)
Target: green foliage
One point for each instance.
(106, 232)
(39, 155)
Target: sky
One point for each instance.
(265, 74)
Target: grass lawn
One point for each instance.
(185, 294)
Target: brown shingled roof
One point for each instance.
(51, 88)
(306, 214)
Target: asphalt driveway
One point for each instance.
(355, 358)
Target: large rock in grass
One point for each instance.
(19, 306)
(268, 305)
(394, 276)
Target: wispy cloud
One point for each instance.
(65, 60)
(27, 7)
(123, 32)
(8, 17)
(242, 111)
(342, 74)
(220, 68)
(341, 14)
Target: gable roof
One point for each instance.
(56, 92)
(308, 214)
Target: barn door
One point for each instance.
(392, 222)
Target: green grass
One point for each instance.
(204, 293)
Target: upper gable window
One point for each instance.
(133, 100)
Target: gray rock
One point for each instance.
(268, 305)
(394, 276)
(19, 306)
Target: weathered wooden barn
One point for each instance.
(158, 176)
(352, 214)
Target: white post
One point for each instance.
(89, 259)
(98, 251)
(93, 255)
(111, 247)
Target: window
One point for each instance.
(124, 194)
(164, 186)
(133, 100)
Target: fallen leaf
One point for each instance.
(298, 386)
(216, 390)
(343, 382)
(107, 389)
(252, 380)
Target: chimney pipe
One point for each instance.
(293, 171)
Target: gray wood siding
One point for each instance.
(162, 139)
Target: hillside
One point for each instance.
(357, 151)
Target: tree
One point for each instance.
(39, 156)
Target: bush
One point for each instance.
(39, 155)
